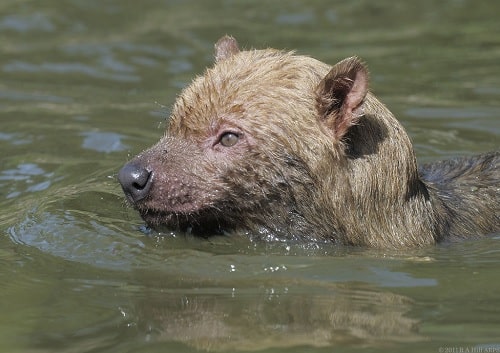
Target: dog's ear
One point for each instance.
(340, 94)
(226, 47)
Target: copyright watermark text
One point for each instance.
(471, 349)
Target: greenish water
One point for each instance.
(86, 84)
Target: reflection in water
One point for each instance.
(217, 318)
(240, 320)
(278, 318)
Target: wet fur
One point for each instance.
(319, 158)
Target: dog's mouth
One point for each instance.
(200, 222)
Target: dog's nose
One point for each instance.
(136, 181)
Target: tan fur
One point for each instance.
(318, 158)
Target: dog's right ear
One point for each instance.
(226, 47)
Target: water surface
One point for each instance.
(85, 85)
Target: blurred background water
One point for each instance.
(86, 84)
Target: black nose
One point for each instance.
(136, 181)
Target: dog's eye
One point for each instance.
(229, 139)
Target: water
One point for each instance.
(86, 84)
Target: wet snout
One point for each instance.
(136, 181)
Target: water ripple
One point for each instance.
(67, 68)
(27, 23)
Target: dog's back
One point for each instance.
(468, 193)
